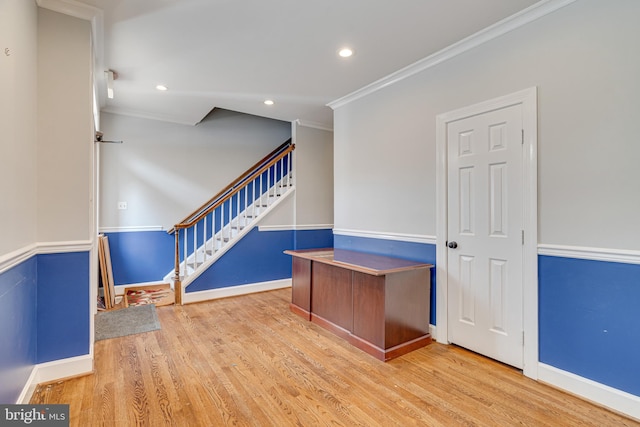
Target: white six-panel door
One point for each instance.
(485, 223)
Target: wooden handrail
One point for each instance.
(227, 194)
(205, 208)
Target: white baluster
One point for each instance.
(260, 194)
(238, 210)
(204, 243)
(221, 223)
(281, 173)
(186, 270)
(195, 246)
(291, 168)
(253, 190)
(268, 184)
(230, 217)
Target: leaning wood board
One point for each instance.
(106, 271)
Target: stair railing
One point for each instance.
(212, 226)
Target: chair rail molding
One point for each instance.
(596, 254)
(384, 235)
(12, 259)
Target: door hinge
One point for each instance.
(522, 337)
(522, 236)
(522, 136)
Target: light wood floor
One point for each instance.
(249, 361)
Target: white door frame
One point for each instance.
(528, 99)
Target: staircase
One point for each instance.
(216, 226)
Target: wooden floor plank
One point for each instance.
(248, 361)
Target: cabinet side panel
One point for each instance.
(368, 308)
(407, 306)
(301, 283)
(331, 295)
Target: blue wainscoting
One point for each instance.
(422, 252)
(44, 316)
(310, 239)
(63, 305)
(590, 319)
(258, 257)
(141, 256)
(18, 328)
(147, 256)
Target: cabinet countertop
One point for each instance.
(376, 265)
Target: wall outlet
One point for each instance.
(122, 205)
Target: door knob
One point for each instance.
(452, 245)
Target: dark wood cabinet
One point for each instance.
(379, 304)
(301, 287)
(330, 299)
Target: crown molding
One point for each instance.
(71, 8)
(498, 29)
(314, 125)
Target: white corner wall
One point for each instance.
(312, 205)
(166, 170)
(18, 113)
(583, 60)
(65, 128)
(313, 175)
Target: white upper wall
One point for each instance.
(584, 60)
(18, 112)
(313, 175)
(312, 202)
(165, 170)
(65, 128)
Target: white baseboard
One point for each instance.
(433, 331)
(601, 394)
(29, 387)
(232, 291)
(55, 370)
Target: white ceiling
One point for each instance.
(234, 54)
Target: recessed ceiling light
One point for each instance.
(345, 52)
(268, 102)
(161, 87)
